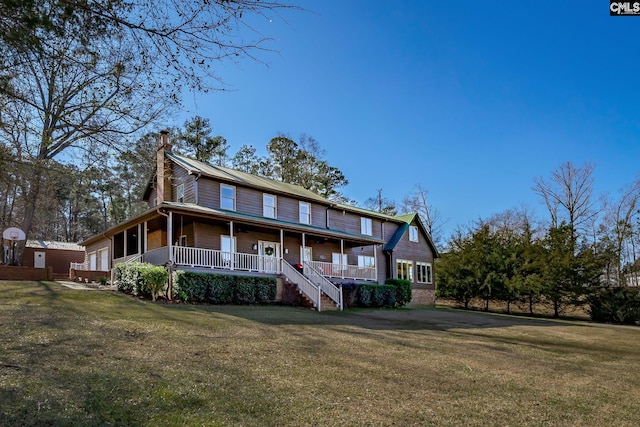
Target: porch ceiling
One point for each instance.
(202, 211)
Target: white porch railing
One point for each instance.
(78, 266)
(305, 285)
(331, 290)
(344, 271)
(209, 258)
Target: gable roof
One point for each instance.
(407, 220)
(48, 244)
(264, 183)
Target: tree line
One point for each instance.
(587, 243)
(76, 202)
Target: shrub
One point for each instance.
(615, 305)
(140, 278)
(244, 290)
(127, 276)
(266, 290)
(223, 289)
(403, 291)
(375, 295)
(154, 279)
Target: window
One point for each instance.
(305, 213)
(366, 261)
(227, 197)
(424, 272)
(338, 259)
(181, 193)
(269, 205)
(227, 246)
(182, 240)
(405, 269)
(306, 253)
(413, 233)
(365, 226)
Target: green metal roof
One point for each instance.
(243, 178)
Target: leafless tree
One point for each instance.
(568, 195)
(417, 201)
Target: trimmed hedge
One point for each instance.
(403, 291)
(615, 305)
(394, 293)
(223, 289)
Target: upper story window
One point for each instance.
(269, 205)
(227, 197)
(181, 193)
(413, 233)
(365, 226)
(305, 213)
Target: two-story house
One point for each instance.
(217, 219)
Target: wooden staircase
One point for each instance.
(326, 303)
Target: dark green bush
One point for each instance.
(244, 290)
(375, 295)
(403, 291)
(615, 305)
(223, 289)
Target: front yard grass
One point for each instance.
(79, 358)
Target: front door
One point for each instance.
(269, 256)
(39, 260)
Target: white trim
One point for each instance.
(235, 195)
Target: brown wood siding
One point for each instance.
(208, 193)
(153, 197)
(350, 222)
(181, 176)
(419, 251)
(289, 209)
(59, 260)
(207, 236)
(248, 201)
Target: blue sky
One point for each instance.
(472, 100)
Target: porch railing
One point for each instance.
(304, 284)
(344, 271)
(210, 258)
(331, 290)
(78, 266)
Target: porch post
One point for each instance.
(126, 251)
(170, 236)
(233, 246)
(145, 238)
(342, 266)
(375, 262)
(281, 243)
(139, 240)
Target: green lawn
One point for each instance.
(71, 357)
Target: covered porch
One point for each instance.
(227, 241)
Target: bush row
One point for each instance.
(223, 289)
(616, 305)
(394, 293)
(140, 278)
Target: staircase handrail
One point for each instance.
(311, 290)
(332, 291)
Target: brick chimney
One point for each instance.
(163, 175)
